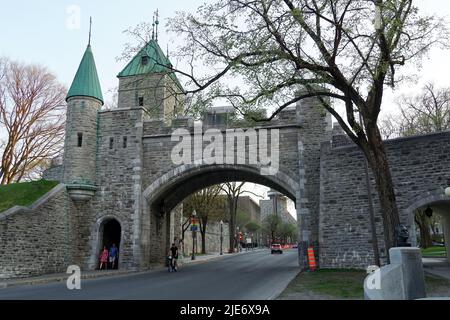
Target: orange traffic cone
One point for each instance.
(311, 259)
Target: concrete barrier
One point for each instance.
(402, 279)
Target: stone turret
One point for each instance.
(147, 82)
(84, 100)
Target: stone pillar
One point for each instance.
(402, 279)
(446, 226)
(315, 128)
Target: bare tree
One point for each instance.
(32, 113)
(342, 52)
(426, 112)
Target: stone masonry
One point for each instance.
(122, 172)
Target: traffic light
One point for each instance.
(241, 236)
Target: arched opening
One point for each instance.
(434, 212)
(110, 231)
(433, 223)
(165, 193)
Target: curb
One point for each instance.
(27, 282)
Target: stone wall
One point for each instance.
(212, 239)
(419, 166)
(53, 173)
(37, 240)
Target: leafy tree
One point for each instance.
(341, 52)
(287, 232)
(271, 225)
(206, 203)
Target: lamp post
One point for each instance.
(237, 239)
(221, 237)
(447, 191)
(193, 228)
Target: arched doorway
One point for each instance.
(110, 231)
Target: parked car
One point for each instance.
(276, 248)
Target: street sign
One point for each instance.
(249, 240)
(194, 224)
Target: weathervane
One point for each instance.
(153, 27)
(157, 23)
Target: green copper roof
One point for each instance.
(86, 82)
(157, 62)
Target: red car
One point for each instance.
(276, 248)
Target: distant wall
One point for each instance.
(53, 173)
(36, 240)
(212, 239)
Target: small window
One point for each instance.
(141, 101)
(144, 60)
(124, 142)
(80, 139)
(111, 143)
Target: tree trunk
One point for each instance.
(424, 228)
(203, 224)
(383, 179)
(203, 242)
(232, 229)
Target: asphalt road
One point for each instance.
(256, 275)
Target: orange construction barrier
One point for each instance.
(311, 259)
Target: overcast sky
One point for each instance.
(40, 32)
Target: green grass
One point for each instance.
(347, 284)
(339, 283)
(23, 194)
(436, 285)
(434, 252)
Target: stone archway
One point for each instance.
(107, 230)
(161, 196)
(441, 205)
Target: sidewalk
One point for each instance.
(212, 256)
(437, 266)
(93, 274)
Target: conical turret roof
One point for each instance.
(86, 83)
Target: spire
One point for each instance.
(90, 30)
(86, 83)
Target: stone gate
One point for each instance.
(118, 166)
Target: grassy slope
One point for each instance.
(23, 194)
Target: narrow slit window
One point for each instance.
(124, 142)
(80, 139)
(141, 101)
(111, 143)
(144, 60)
